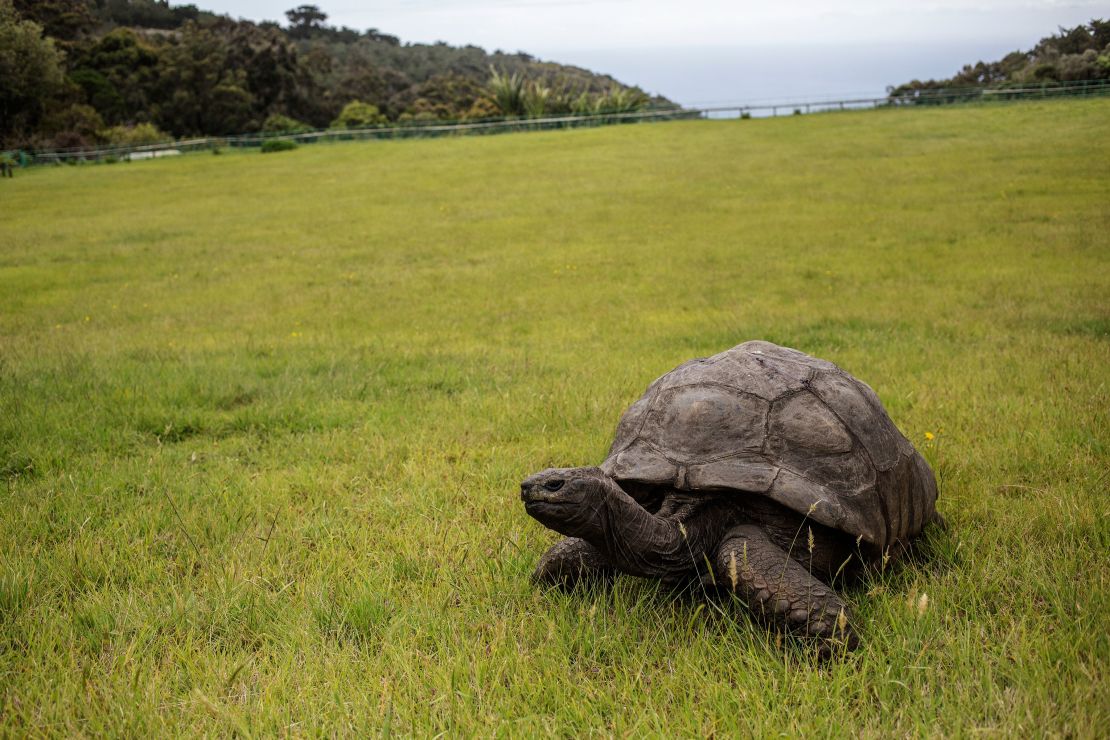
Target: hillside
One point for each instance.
(1072, 54)
(78, 72)
(263, 421)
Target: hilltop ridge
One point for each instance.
(123, 70)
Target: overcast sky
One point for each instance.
(538, 25)
(702, 51)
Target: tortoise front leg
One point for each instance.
(780, 591)
(571, 561)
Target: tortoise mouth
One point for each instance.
(539, 495)
(551, 512)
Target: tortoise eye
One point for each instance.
(554, 485)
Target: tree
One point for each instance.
(305, 20)
(357, 114)
(1072, 54)
(63, 20)
(117, 75)
(197, 89)
(30, 73)
(193, 72)
(76, 126)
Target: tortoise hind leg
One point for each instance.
(571, 561)
(780, 591)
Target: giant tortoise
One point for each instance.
(761, 471)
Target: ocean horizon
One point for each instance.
(719, 76)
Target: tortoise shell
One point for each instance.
(769, 420)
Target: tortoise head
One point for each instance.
(568, 500)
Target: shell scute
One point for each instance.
(734, 473)
(760, 372)
(701, 422)
(802, 422)
(640, 462)
(860, 410)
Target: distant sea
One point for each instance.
(708, 76)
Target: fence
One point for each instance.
(939, 96)
(943, 96)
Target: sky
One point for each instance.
(709, 51)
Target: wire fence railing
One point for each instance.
(898, 99)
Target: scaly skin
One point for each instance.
(780, 591)
(751, 549)
(571, 561)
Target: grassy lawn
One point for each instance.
(263, 420)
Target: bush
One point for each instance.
(277, 145)
(73, 126)
(276, 123)
(357, 114)
(138, 135)
(481, 109)
(507, 92)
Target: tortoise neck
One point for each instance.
(638, 542)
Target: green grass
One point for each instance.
(262, 422)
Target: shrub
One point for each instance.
(73, 126)
(536, 100)
(276, 123)
(507, 92)
(137, 135)
(481, 109)
(357, 114)
(277, 145)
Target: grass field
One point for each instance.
(263, 420)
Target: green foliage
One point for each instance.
(482, 108)
(210, 79)
(276, 123)
(514, 95)
(277, 145)
(1069, 55)
(263, 423)
(137, 135)
(444, 97)
(62, 20)
(118, 74)
(305, 20)
(357, 114)
(149, 13)
(204, 74)
(507, 92)
(621, 100)
(30, 73)
(74, 126)
(537, 100)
